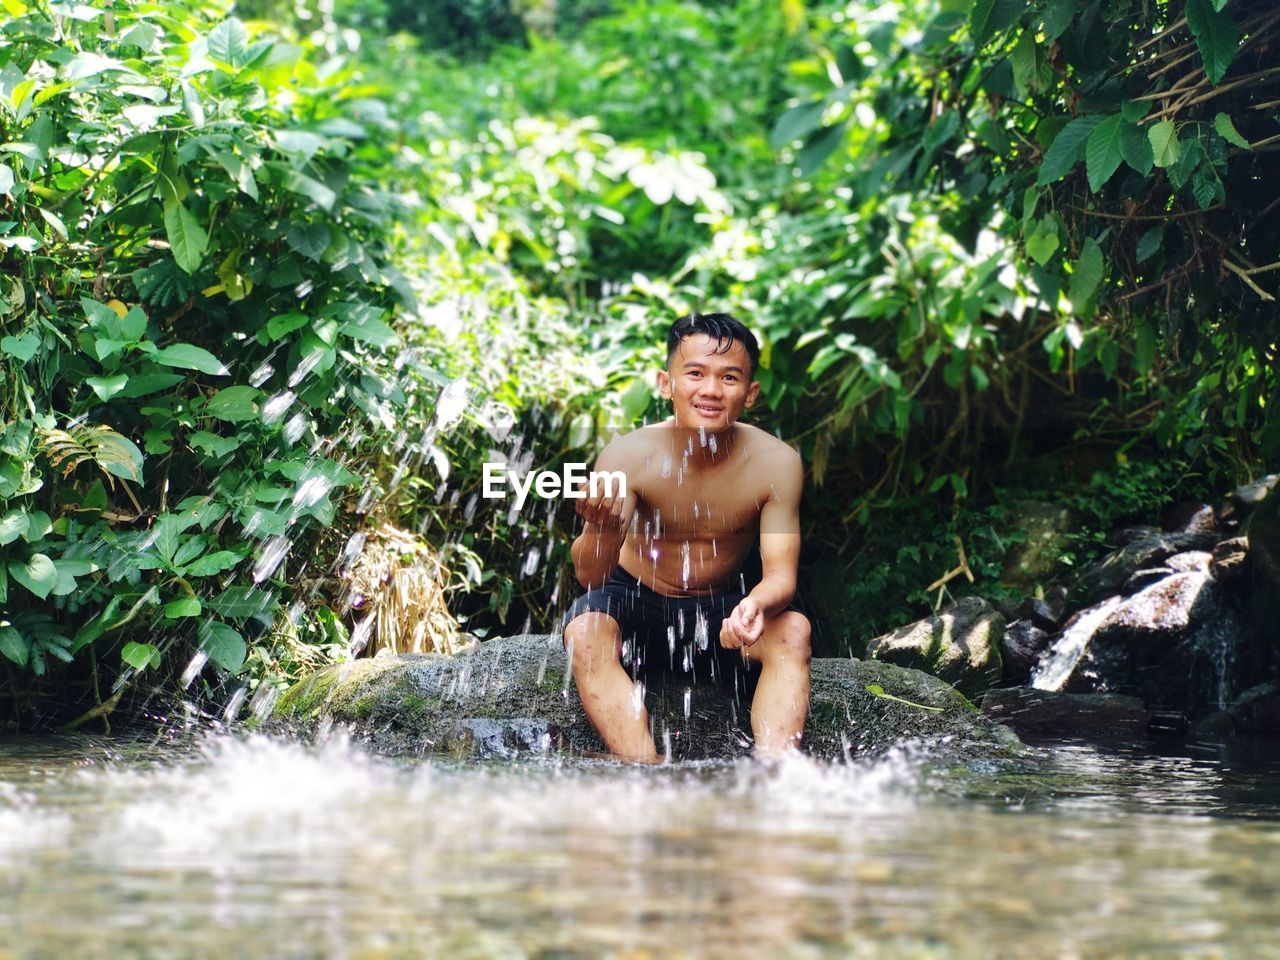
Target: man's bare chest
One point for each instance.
(697, 506)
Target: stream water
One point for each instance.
(250, 846)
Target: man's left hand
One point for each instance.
(743, 626)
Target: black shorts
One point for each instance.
(670, 638)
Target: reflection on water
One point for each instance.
(255, 846)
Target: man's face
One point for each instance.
(708, 389)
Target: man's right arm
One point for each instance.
(595, 551)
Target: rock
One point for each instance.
(1215, 726)
(1108, 575)
(1188, 562)
(1264, 549)
(1189, 518)
(1230, 563)
(1043, 713)
(1127, 535)
(1178, 644)
(1257, 710)
(1041, 612)
(960, 644)
(1020, 649)
(1191, 561)
(1045, 526)
(1252, 494)
(509, 696)
(1142, 579)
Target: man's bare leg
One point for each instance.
(594, 644)
(781, 701)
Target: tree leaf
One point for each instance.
(38, 574)
(797, 123)
(14, 645)
(212, 563)
(1164, 143)
(980, 20)
(820, 146)
(13, 525)
(1067, 149)
(229, 42)
(1227, 130)
(140, 655)
(107, 387)
(1086, 275)
(186, 237)
(1136, 148)
(285, 323)
(1102, 151)
(1149, 243)
(1023, 60)
(234, 404)
(23, 347)
(183, 607)
(225, 646)
(1042, 246)
(1216, 35)
(185, 356)
(1144, 346)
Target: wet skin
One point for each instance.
(701, 488)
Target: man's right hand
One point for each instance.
(603, 511)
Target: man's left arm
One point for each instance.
(779, 556)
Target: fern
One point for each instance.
(115, 455)
(163, 284)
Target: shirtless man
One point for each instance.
(662, 566)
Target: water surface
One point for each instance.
(250, 846)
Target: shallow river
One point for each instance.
(234, 846)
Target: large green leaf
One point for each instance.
(224, 645)
(1102, 151)
(1067, 149)
(1216, 35)
(797, 123)
(185, 356)
(14, 645)
(1164, 143)
(37, 574)
(1086, 276)
(187, 238)
(1135, 147)
(229, 42)
(820, 146)
(1227, 130)
(234, 404)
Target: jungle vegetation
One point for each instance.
(278, 278)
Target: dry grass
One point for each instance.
(399, 586)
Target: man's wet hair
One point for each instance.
(723, 328)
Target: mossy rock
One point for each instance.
(509, 696)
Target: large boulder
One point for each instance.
(1178, 644)
(512, 695)
(960, 644)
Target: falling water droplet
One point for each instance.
(233, 706)
(276, 407)
(451, 403)
(194, 667)
(294, 429)
(700, 630)
(702, 435)
(273, 554)
(637, 698)
(688, 701)
(666, 466)
(264, 698)
(262, 374)
(711, 444)
(531, 560)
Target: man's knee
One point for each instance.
(789, 640)
(593, 639)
